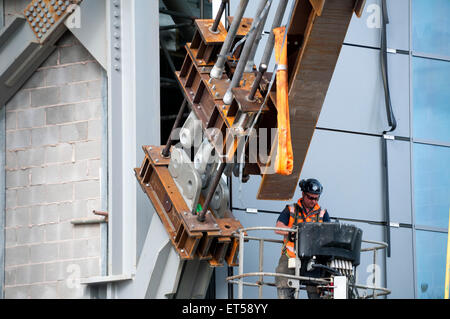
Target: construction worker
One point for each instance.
(306, 210)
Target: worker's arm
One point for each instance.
(280, 232)
(283, 221)
(326, 217)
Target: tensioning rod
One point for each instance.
(219, 67)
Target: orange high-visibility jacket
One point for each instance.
(314, 216)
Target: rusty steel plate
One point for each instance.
(154, 152)
(192, 223)
(44, 16)
(244, 27)
(193, 53)
(245, 105)
(228, 226)
(208, 36)
(217, 87)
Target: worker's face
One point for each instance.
(310, 200)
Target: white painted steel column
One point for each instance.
(122, 109)
(134, 109)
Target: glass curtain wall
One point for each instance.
(430, 66)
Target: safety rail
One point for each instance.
(325, 282)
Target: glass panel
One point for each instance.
(431, 26)
(431, 185)
(431, 83)
(431, 249)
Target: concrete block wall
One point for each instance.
(53, 158)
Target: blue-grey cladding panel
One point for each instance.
(350, 168)
(366, 30)
(364, 272)
(399, 166)
(400, 271)
(362, 31)
(355, 100)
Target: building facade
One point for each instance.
(347, 154)
(73, 132)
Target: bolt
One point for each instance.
(213, 87)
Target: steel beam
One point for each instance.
(132, 82)
(88, 25)
(21, 55)
(320, 27)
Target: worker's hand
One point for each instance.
(281, 225)
(322, 213)
(292, 236)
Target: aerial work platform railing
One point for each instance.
(322, 283)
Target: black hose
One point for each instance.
(384, 70)
(391, 119)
